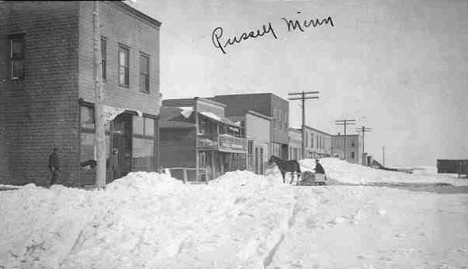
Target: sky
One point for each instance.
(397, 67)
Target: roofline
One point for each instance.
(247, 94)
(340, 135)
(258, 114)
(308, 127)
(210, 101)
(136, 12)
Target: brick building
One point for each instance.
(347, 147)
(269, 105)
(47, 88)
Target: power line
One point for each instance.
(345, 123)
(303, 96)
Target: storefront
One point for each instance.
(131, 144)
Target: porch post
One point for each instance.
(197, 164)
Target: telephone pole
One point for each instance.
(303, 96)
(363, 130)
(345, 123)
(99, 139)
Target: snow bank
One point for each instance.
(345, 172)
(150, 220)
(144, 220)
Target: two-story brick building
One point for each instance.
(269, 105)
(47, 88)
(347, 147)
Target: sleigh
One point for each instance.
(310, 179)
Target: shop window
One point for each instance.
(149, 126)
(87, 117)
(138, 125)
(143, 154)
(87, 147)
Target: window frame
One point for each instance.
(125, 84)
(15, 58)
(147, 75)
(104, 58)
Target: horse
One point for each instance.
(286, 166)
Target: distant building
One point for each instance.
(194, 133)
(269, 105)
(257, 127)
(47, 95)
(347, 147)
(295, 144)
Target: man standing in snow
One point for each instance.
(54, 165)
(318, 167)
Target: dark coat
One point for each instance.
(54, 163)
(319, 169)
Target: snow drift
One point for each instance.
(240, 220)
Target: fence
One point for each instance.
(189, 175)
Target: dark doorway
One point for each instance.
(122, 141)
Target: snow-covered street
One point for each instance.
(241, 220)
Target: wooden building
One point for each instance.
(195, 134)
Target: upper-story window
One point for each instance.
(17, 57)
(124, 70)
(352, 143)
(144, 73)
(104, 57)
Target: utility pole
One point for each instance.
(99, 139)
(345, 123)
(303, 97)
(363, 130)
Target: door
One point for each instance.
(122, 141)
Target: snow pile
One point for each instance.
(144, 220)
(239, 220)
(345, 172)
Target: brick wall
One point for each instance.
(42, 111)
(119, 26)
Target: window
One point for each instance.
(124, 73)
(143, 126)
(87, 117)
(352, 143)
(104, 57)
(144, 73)
(312, 140)
(143, 144)
(17, 57)
(352, 155)
(306, 139)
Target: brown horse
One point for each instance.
(286, 166)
